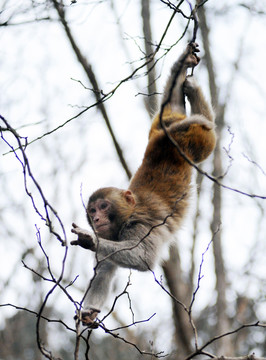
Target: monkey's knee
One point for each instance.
(196, 140)
(202, 146)
(192, 124)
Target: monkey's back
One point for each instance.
(164, 173)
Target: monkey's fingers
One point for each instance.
(192, 60)
(75, 229)
(193, 47)
(92, 325)
(197, 58)
(74, 242)
(82, 233)
(84, 240)
(87, 321)
(88, 318)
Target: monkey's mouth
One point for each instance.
(97, 227)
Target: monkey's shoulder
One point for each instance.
(146, 230)
(133, 227)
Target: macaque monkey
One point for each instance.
(130, 226)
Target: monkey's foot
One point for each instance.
(88, 317)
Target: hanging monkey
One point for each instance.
(130, 226)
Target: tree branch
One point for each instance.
(92, 78)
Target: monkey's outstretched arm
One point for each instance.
(131, 252)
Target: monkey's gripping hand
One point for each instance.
(85, 239)
(88, 317)
(191, 57)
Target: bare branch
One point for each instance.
(91, 75)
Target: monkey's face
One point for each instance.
(108, 209)
(103, 217)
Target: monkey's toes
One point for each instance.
(90, 324)
(74, 242)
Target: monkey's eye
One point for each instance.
(92, 211)
(103, 205)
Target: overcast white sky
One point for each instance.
(37, 68)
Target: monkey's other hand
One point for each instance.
(88, 317)
(85, 240)
(192, 58)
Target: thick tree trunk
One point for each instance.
(179, 289)
(222, 320)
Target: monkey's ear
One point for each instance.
(129, 197)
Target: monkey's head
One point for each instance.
(107, 210)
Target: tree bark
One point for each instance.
(222, 320)
(178, 288)
(151, 100)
